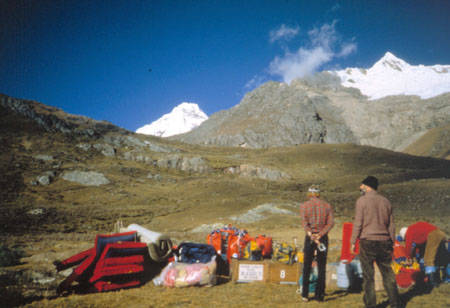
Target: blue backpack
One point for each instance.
(195, 253)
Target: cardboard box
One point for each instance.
(249, 271)
(265, 271)
(285, 273)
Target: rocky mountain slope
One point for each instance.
(55, 120)
(61, 187)
(319, 110)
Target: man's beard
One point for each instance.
(362, 192)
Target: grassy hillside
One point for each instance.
(435, 143)
(55, 221)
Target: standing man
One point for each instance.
(374, 227)
(317, 220)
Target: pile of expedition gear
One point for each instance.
(407, 272)
(135, 255)
(231, 242)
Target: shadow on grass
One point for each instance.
(416, 290)
(336, 295)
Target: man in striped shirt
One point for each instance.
(317, 220)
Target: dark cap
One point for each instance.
(371, 181)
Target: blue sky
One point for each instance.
(130, 62)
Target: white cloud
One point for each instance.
(303, 62)
(283, 33)
(324, 44)
(324, 36)
(347, 49)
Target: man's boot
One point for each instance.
(446, 273)
(432, 275)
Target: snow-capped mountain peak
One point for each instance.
(390, 61)
(393, 76)
(182, 118)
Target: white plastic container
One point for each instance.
(343, 280)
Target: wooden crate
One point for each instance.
(285, 273)
(249, 271)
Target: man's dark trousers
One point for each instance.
(381, 253)
(308, 256)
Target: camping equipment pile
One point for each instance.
(136, 255)
(231, 242)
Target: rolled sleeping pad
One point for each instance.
(159, 245)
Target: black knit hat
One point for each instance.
(371, 181)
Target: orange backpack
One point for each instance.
(265, 244)
(229, 242)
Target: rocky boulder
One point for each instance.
(45, 178)
(141, 143)
(258, 172)
(105, 149)
(87, 178)
(187, 164)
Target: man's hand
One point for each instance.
(353, 248)
(316, 238)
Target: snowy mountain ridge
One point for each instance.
(393, 76)
(183, 118)
(388, 76)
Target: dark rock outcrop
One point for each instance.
(55, 120)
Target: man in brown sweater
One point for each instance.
(374, 227)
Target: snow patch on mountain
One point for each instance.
(183, 118)
(393, 76)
